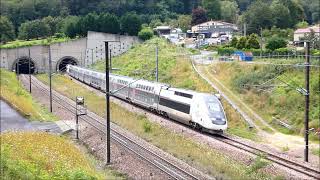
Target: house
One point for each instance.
(214, 28)
(162, 30)
(300, 33)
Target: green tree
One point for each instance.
(52, 23)
(33, 29)
(234, 42)
(213, 8)
(229, 11)
(242, 43)
(259, 15)
(302, 24)
(252, 42)
(184, 22)
(281, 14)
(145, 33)
(276, 43)
(108, 23)
(6, 29)
(296, 11)
(130, 23)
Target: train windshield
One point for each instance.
(214, 108)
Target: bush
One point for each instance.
(253, 42)
(226, 50)
(276, 43)
(146, 126)
(145, 34)
(242, 43)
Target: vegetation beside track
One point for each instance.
(283, 103)
(33, 42)
(175, 69)
(202, 156)
(34, 155)
(15, 94)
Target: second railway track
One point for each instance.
(171, 169)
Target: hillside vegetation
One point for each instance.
(33, 155)
(14, 93)
(283, 102)
(175, 69)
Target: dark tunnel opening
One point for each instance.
(63, 64)
(22, 66)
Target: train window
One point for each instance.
(185, 108)
(183, 94)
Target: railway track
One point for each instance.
(171, 169)
(296, 166)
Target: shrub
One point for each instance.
(276, 43)
(145, 34)
(147, 126)
(253, 42)
(226, 50)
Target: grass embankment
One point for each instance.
(34, 155)
(32, 42)
(283, 102)
(202, 156)
(175, 69)
(14, 93)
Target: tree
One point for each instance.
(302, 24)
(145, 33)
(184, 22)
(281, 14)
(199, 15)
(234, 42)
(6, 29)
(130, 23)
(229, 11)
(259, 15)
(52, 23)
(242, 43)
(33, 29)
(108, 23)
(213, 8)
(253, 42)
(276, 43)
(296, 11)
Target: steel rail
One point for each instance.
(159, 162)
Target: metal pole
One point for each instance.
(260, 42)
(50, 84)
(77, 121)
(110, 65)
(157, 64)
(306, 122)
(29, 71)
(107, 102)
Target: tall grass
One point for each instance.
(13, 93)
(34, 155)
(202, 156)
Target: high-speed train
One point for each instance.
(200, 110)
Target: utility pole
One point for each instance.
(260, 42)
(110, 65)
(245, 29)
(157, 63)
(91, 56)
(50, 83)
(107, 102)
(306, 121)
(29, 70)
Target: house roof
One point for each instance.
(316, 29)
(213, 22)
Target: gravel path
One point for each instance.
(209, 140)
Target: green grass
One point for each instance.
(201, 156)
(14, 93)
(34, 155)
(33, 42)
(316, 151)
(283, 103)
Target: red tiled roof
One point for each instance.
(316, 29)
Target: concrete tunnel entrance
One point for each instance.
(62, 64)
(22, 66)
